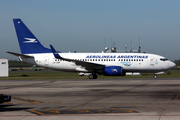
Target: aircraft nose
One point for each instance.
(172, 65)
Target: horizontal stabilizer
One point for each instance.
(22, 55)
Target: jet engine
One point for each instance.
(113, 71)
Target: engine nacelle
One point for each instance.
(113, 71)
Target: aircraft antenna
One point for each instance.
(139, 50)
(105, 48)
(104, 42)
(131, 46)
(111, 42)
(126, 48)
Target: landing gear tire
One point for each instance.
(92, 76)
(155, 76)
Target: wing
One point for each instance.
(85, 64)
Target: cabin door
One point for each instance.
(46, 60)
(152, 61)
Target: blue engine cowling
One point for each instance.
(113, 71)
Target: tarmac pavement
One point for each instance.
(127, 99)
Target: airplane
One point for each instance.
(86, 64)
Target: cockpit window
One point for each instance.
(163, 59)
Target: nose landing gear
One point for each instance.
(155, 76)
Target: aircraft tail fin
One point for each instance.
(28, 43)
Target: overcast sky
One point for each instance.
(83, 25)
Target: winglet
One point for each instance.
(56, 55)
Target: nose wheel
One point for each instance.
(155, 76)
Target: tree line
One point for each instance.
(177, 62)
(15, 63)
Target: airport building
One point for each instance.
(4, 72)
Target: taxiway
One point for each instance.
(156, 99)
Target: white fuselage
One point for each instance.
(130, 62)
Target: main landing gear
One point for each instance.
(93, 76)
